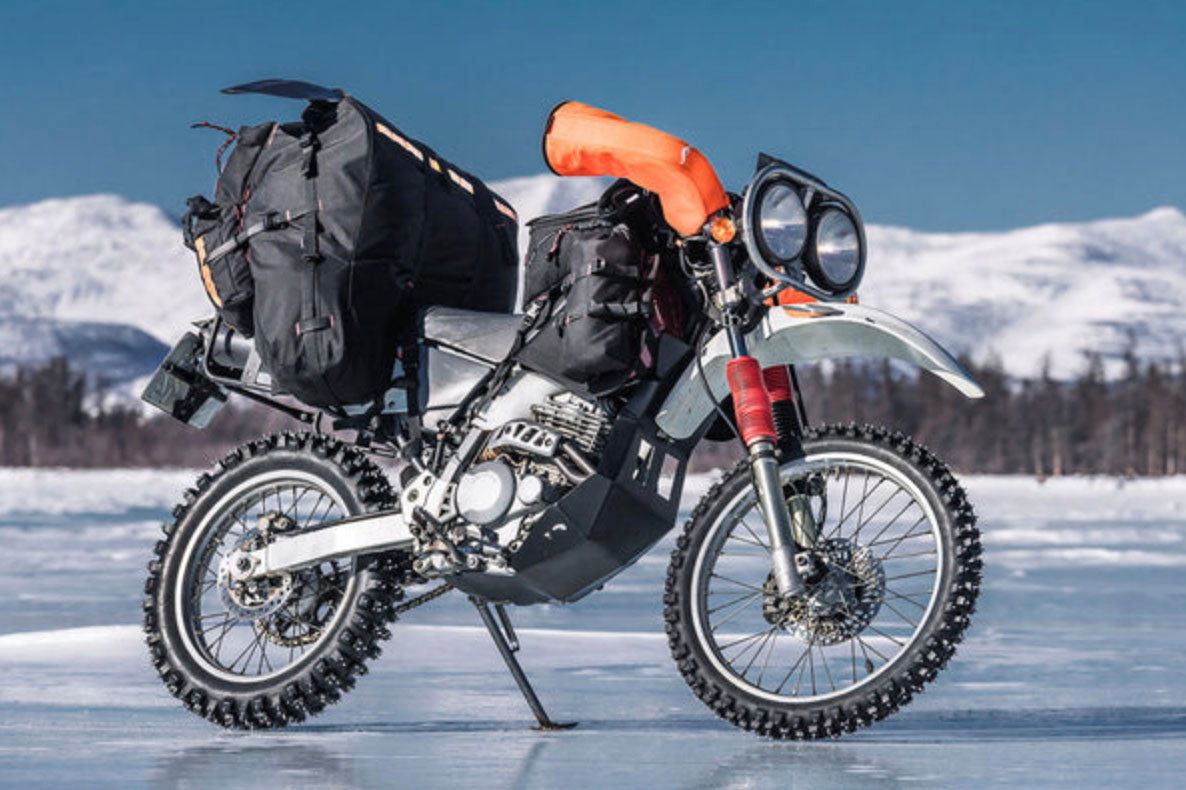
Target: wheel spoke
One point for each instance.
(910, 534)
(909, 575)
(735, 642)
(895, 596)
(739, 599)
(859, 507)
(827, 670)
(893, 520)
(931, 553)
(880, 508)
(758, 652)
(791, 671)
(769, 653)
(734, 581)
(879, 632)
(905, 619)
(760, 542)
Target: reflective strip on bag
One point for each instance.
(400, 141)
(505, 209)
(208, 281)
(461, 182)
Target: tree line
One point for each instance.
(1134, 424)
(50, 415)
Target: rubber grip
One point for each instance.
(778, 383)
(751, 404)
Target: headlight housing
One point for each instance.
(800, 231)
(833, 258)
(782, 222)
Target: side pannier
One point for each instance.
(592, 271)
(326, 235)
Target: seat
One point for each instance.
(487, 336)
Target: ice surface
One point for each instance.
(1071, 675)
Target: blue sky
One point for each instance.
(935, 115)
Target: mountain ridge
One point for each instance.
(84, 271)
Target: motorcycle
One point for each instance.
(816, 587)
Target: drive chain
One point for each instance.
(423, 599)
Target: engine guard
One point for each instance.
(599, 528)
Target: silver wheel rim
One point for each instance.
(246, 651)
(887, 513)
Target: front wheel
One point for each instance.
(896, 571)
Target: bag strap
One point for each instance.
(310, 250)
(602, 268)
(273, 220)
(621, 311)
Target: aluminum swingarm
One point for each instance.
(369, 534)
(366, 534)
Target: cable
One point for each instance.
(708, 390)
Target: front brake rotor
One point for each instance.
(836, 607)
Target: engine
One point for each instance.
(522, 467)
(529, 464)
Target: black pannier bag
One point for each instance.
(591, 268)
(327, 235)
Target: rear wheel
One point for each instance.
(895, 576)
(271, 652)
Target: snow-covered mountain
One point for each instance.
(1056, 290)
(107, 282)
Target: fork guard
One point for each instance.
(806, 333)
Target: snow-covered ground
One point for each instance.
(1072, 675)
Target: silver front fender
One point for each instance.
(807, 333)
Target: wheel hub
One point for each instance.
(253, 599)
(313, 604)
(838, 604)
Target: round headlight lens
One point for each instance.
(783, 221)
(836, 252)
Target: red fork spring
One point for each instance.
(782, 400)
(751, 402)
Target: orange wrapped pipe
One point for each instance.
(580, 140)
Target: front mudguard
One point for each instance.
(806, 333)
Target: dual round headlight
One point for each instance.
(823, 233)
(834, 258)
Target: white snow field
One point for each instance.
(1071, 676)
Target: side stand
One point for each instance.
(507, 643)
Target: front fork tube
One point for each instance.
(789, 525)
(780, 525)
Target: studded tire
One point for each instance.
(913, 668)
(332, 664)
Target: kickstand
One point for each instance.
(508, 644)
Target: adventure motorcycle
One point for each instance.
(816, 587)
